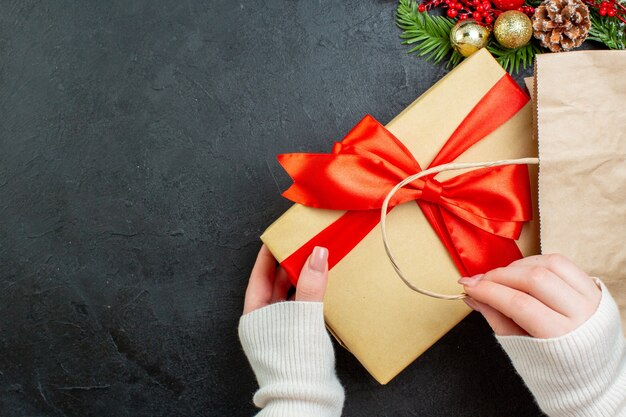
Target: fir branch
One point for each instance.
(607, 30)
(512, 59)
(430, 34)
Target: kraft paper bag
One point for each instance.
(581, 122)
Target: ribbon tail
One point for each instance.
(340, 238)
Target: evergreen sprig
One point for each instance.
(607, 30)
(512, 59)
(430, 35)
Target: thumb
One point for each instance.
(313, 277)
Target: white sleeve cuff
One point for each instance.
(582, 373)
(293, 359)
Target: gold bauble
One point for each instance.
(513, 29)
(467, 37)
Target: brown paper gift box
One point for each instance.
(367, 307)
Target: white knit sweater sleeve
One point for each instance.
(293, 359)
(580, 374)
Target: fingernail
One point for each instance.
(471, 304)
(470, 281)
(318, 259)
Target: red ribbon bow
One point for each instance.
(477, 215)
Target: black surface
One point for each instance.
(137, 170)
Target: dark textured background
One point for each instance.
(137, 170)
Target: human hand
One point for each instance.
(543, 296)
(268, 284)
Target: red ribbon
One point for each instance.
(477, 215)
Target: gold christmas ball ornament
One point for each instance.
(513, 29)
(467, 37)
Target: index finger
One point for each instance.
(565, 269)
(529, 313)
(261, 283)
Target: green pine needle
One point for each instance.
(607, 30)
(430, 35)
(512, 59)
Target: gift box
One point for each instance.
(476, 113)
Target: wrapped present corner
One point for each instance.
(441, 228)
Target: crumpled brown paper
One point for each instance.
(581, 122)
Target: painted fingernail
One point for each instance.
(471, 304)
(318, 259)
(470, 281)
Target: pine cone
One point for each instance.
(561, 25)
